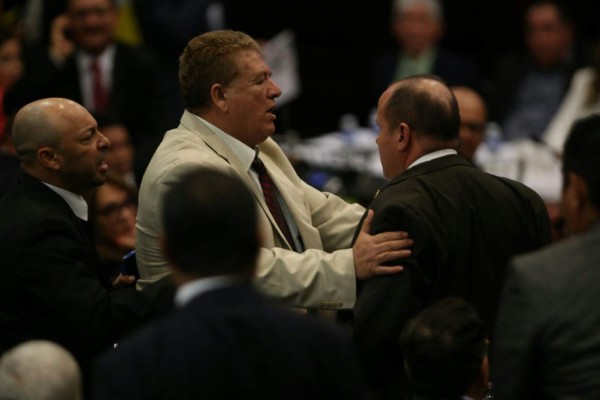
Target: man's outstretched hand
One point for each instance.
(372, 251)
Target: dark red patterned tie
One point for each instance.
(98, 89)
(270, 193)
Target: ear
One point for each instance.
(49, 158)
(404, 136)
(485, 373)
(579, 192)
(217, 96)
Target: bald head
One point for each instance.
(38, 124)
(473, 119)
(59, 143)
(39, 370)
(426, 104)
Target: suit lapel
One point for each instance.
(193, 124)
(60, 207)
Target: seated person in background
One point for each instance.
(582, 99)
(85, 63)
(418, 28)
(547, 342)
(112, 211)
(121, 154)
(305, 259)
(445, 352)
(39, 370)
(528, 88)
(473, 120)
(225, 341)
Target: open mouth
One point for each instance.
(271, 111)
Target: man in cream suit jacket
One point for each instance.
(230, 102)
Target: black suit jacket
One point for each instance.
(229, 343)
(51, 283)
(547, 342)
(138, 94)
(466, 224)
(10, 172)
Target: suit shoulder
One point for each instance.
(557, 263)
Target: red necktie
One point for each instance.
(270, 193)
(98, 90)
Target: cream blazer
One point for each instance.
(321, 277)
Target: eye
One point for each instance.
(88, 136)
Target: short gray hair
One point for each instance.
(435, 6)
(39, 370)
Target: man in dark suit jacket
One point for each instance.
(465, 223)
(225, 341)
(51, 283)
(131, 83)
(547, 342)
(10, 171)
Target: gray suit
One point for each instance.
(322, 276)
(547, 342)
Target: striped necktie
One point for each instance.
(270, 193)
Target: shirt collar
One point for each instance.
(244, 153)
(104, 59)
(186, 292)
(432, 156)
(75, 201)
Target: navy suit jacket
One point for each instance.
(51, 284)
(230, 343)
(466, 225)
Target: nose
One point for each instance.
(274, 91)
(103, 141)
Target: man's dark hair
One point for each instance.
(430, 113)
(580, 154)
(444, 347)
(210, 224)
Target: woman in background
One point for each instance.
(112, 211)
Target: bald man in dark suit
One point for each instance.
(465, 223)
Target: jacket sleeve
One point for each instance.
(514, 340)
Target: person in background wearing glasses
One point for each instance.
(112, 211)
(473, 118)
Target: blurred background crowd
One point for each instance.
(528, 67)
